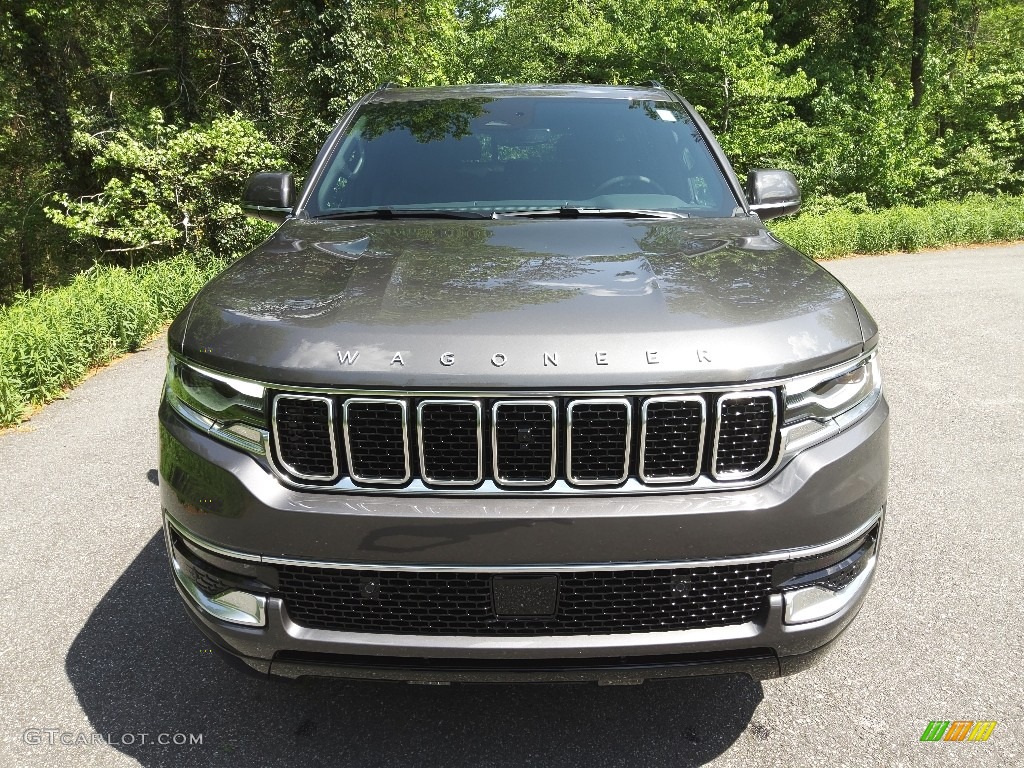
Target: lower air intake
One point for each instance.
(588, 602)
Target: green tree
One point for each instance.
(168, 189)
(877, 102)
(719, 57)
(339, 51)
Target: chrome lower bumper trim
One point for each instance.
(777, 556)
(814, 602)
(233, 606)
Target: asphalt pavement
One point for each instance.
(99, 665)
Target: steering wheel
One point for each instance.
(347, 167)
(352, 161)
(619, 180)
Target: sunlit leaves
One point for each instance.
(170, 189)
(840, 232)
(722, 59)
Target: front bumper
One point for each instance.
(238, 517)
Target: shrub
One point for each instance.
(838, 232)
(11, 402)
(49, 340)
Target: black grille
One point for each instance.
(674, 431)
(304, 436)
(203, 578)
(844, 575)
(376, 439)
(523, 442)
(449, 439)
(590, 602)
(523, 436)
(599, 441)
(746, 433)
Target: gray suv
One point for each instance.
(522, 389)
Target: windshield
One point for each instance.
(520, 154)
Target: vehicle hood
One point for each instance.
(532, 303)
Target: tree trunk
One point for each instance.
(28, 278)
(867, 35)
(48, 85)
(260, 39)
(918, 51)
(184, 107)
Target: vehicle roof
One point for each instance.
(506, 90)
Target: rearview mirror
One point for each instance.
(772, 192)
(269, 196)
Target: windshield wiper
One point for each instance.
(405, 213)
(601, 213)
(564, 212)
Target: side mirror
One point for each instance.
(269, 196)
(772, 192)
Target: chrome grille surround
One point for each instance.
(570, 434)
(404, 420)
(557, 477)
(644, 422)
(763, 394)
(499, 405)
(428, 405)
(329, 402)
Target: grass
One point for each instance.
(967, 222)
(49, 340)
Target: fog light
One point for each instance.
(816, 602)
(231, 605)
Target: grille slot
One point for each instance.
(524, 442)
(745, 436)
(598, 441)
(376, 440)
(672, 439)
(304, 436)
(451, 448)
(589, 602)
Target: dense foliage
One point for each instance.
(841, 231)
(49, 340)
(126, 129)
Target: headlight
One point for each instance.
(820, 405)
(232, 409)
